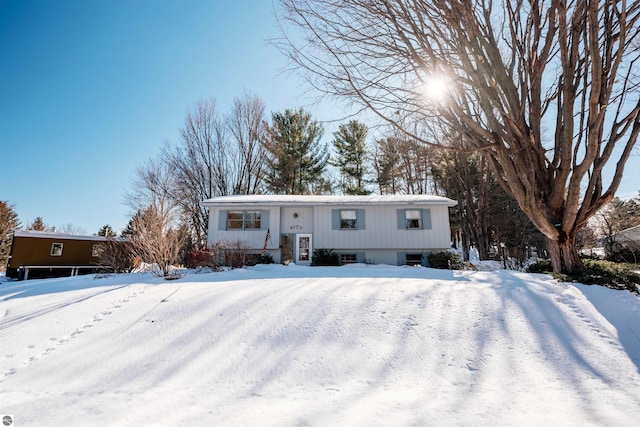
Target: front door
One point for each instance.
(304, 247)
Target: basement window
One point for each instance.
(347, 259)
(414, 259)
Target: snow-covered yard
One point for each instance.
(296, 346)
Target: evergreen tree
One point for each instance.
(8, 222)
(296, 159)
(106, 231)
(385, 162)
(129, 231)
(37, 225)
(350, 144)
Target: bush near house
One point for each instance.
(325, 257)
(199, 257)
(446, 260)
(255, 259)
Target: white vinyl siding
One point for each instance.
(252, 237)
(382, 231)
(296, 220)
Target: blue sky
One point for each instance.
(89, 90)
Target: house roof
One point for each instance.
(54, 235)
(301, 200)
(630, 234)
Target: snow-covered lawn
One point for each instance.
(297, 346)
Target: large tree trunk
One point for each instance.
(564, 253)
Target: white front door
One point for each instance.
(304, 246)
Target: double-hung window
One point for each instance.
(244, 220)
(413, 218)
(348, 220)
(252, 219)
(235, 220)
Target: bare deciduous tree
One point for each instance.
(69, 228)
(514, 70)
(116, 253)
(246, 123)
(200, 164)
(217, 156)
(156, 236)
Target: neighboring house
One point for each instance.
(394, 229)
(628, 238)
(40, 254)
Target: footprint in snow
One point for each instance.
(9, 372)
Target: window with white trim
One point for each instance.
(252, 219)
(413, 218)
(96, 250)
(244, 220)
(235, 220)
(348, 219)
(56, 249)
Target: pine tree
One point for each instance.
(350, 144)
(386, 161)
(37, 225)
(8, 222)
(295, 157)
(106, 231)
(129, 231)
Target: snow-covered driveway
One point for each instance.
(293, 346)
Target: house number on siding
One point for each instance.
(295, 227)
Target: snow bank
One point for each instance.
(290, 346)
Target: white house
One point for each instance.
(394, 229)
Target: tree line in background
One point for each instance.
(535, 109)
(244, 153)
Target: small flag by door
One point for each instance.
(266, 240)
